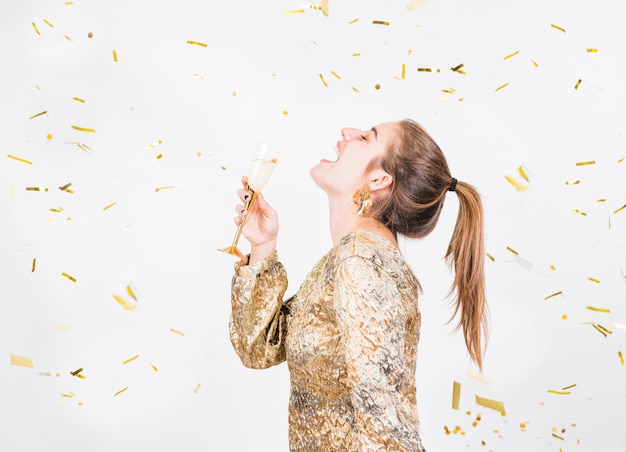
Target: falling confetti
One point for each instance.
(324, 7)
(579, 212)
(70, 277)
(554, 391)
(577, 84)
(595, 309)
(78, 99)
(493, 259)
(84, 129)
(323, 81)
(511, 55)
(572, 182)
(621, 357)
(493, 404)
(519, 186)
(380, 22)
(597, 281)
(164, 187)
(28, 162)
(34, 265)
(176, 332)
(336, 75)
(153, 145)
(558, 28)
(620, 209)
(428, 69)
(553, 295)
(109, 206)
(22, 361)
(129, 360)
(120, 391)
(456, 395)
(502, 86)
(195, 391)
(48, 23)
(125, 304)
(36, 29)
(196, 43)
(114, 55)
(39, 114)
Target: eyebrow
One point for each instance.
(375, 132)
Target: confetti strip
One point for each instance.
(336, 75)
(34, 265)
(558, 28)
(39, 114)
(553, 391)
(456, 395)
(36, 189)
(48, 23)
(196, 43)
(23, 361)
(493, 404)
(324, 7)
(109, 206)
(577, 84)
(502, 86)
(458, 69)
(516, 184)
(602, 329)
(512, 250)
(428, 69)
(176, 332)
(66, 188)
(620, 209)
(558, 437)
(129, 360)
(153, 145)
(70, 277)
(28, 162)
(68, 395)
(414, 4)
(511, 55)
(593, 308)
(621, 357)
(164, 187)
(601, 200)
(131, 292)
(195, 391)
(493, 259)
(621, 160)
(84, 129)
(535, 63)
(78, 99)
(597, 281)
(353, 21)
(77, 372)
(522, 172)
(323, 81)
(380, 22)
(569, 387)
(580, 212)
(114, 55)
(572, 182)
(403, 71)
(120, 391)
(125, 304)
(294, 11)
(154, 367)
(36, 29)
(553, 295)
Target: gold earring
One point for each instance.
(362, 199)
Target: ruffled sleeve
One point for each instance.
(258, 322)
(372, 320)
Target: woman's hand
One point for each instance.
(261, 224)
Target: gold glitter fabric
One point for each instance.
(349, 336)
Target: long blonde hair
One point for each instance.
(421, 180)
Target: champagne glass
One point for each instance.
(263, 161)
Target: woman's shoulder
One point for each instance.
(367, 244)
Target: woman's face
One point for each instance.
(356, 149)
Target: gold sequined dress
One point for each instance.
(349, 336)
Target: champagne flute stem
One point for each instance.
(243, 220)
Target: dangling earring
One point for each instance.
(362, 199)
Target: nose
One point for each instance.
(349, 133)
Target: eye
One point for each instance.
(363, 137)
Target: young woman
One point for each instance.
(350, 333)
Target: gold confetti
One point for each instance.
(493, 404)
(572, 182)
(39, 114)
(502, 86)
(36, 189)
(294, 11)
(49, 136)
(552, 267)
(593, 308)
(120, 391)
(153, 145)
(403, 71)
(66, 188)
(109, 206)
(114, 55)
(448, 91)
(564, 317)
(164, 187)
(601, 200)
(36, 29)
(620, 209)
(130, 359)
(428, 69)
(415, 4)
(516, 184)
(511, 55)
(580, 212)
(458, 69)
(380, 22)
(621, 160)
(125, 304)
(131, 292)
(554, 295)
(535, 63)
(154, 367)
(68, 395)
(76, 372)
(577, 84)
(554, 391)
(158, 157)
(592, 50)
(34, 265)
(558, 28)
(558, 437)
(569, 387)
(28, 162)
(493, 259)
(353, 21)
(196, 43)
(336, 75)
(56, 209)
(78, 99)
(323, 81)
(195, 391)
(68, 38)
(512, 251)
(621, 357)
(90, 35)
(48, 23)
(23, 361)
(176, 331)
(70, 277)
(456, 395)
(522, 173)
(600, 328)
(597, 281)
(377, 86)
(324, 7)
(84, 129)
(69, 3)
(355, 90)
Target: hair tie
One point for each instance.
(453, 185)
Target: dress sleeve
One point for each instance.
(372, 321)
(258, 322)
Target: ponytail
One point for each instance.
(466, 257)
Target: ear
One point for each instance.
(379, 179)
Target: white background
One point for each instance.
(259, 76)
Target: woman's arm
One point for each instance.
(374, 322)
(257, 323)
